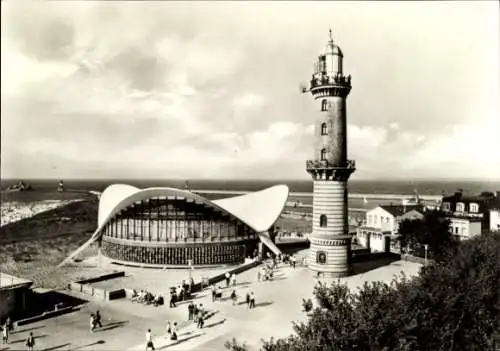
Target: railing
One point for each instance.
(339, 79)
(324, 164)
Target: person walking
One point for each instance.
(233, 279)
(252, 300)
(174, 332)
(200, 317)
(258, 275)
(190, 311)
(214, 292)
(30, 342)
(5, 334)
(92, 322)
(168, 330)
(98, 319)
(248, 300)
(149, 341)
(234, 297)
(228, 276)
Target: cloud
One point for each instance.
(143, 89)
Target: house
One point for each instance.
(470, 215)
(382, 225)
(495, 216)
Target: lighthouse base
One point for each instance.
(330, 258)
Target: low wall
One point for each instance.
(101, 278)
(84, 287)
(47, 315)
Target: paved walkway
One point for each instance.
(278, 302)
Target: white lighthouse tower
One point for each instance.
(329, 167)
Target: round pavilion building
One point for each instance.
(174, 227)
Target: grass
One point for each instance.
(32, 248)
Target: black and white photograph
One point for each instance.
(250, 175)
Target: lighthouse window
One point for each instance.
(323, 105)
(324, 130)
(323, 154)
(322, 221)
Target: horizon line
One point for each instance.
(388, 179)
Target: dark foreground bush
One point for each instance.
(452, 305)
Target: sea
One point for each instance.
(400, 187)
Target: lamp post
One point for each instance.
(190, 263)
(426, 247)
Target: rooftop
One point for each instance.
(399, 210)
(9, 281)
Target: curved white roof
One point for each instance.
(259, 210)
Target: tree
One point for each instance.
(453, 304)
(433, 230)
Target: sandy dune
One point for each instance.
(15, 211)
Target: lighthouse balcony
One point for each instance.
(326, 80)
(315, 165)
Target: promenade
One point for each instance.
(278, 303)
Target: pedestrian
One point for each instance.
(92, 322)
(248, 300)
(258, 276)
(190, 311)
(30, 342)
(172, 300)
(233, 279)
(234, 297)
(214, 292)
(149, 341)
(252, 300)
(98, 319)
(200, 316)
(9, 324)
(5, 334)
(174, 332)
(294, 261)
(195, 313)
(228, 276)
(168, 330)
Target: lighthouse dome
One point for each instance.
(333, 49)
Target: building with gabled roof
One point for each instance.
(382, 224)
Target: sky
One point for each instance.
(211, 90)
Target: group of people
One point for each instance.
(147, 298)
(181, 292)
(230, 279)
(8, 326)
(266, 273)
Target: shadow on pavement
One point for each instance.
(27, 329)
(180, 341)
(22, 340)
(214, 324)
(56, 347)
(262, 304)
(369, 265)
(100, 342)
(112, 325)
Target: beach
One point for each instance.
(16, 211)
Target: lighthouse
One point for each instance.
(329, 167)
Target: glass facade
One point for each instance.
(167, 220)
